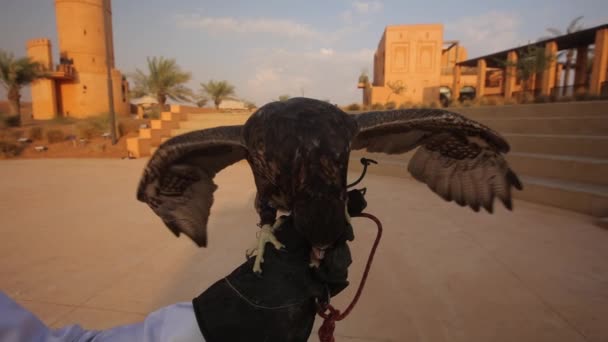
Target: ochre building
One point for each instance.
(413, 64)
(77, 86)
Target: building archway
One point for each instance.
(467, 93)
(445, 95)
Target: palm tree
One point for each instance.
(15, 73)
(530, 61)
(572, 27)
(396, 87)
(165, 80)
(218, 91)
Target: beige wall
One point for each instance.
(81, 31)
(412, 56)
(43, 91)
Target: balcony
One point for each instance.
(62, 72)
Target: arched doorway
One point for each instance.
(467, 93)
(445, 95)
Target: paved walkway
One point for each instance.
(76, 246)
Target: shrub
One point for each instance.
(152, 113)
(35, 133)
(9, 149)
(101, 123)
(467, 103)
(86, 131)
(390, 105)
(542, 99)
(353, 106)
(12, 121)
(454, 104)
(63, 120)
(526, 98)
(377, 106)
(55, 136)
(15, 135)
(406, 105)
(491, 101)
(127, 126)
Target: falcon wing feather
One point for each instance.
(459, 159)
(177, 182)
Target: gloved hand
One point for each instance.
(281, 304)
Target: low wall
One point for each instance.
(199, 110)
(539, 109)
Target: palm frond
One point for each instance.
(573, 27)
(164, 79)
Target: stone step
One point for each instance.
(583, 125)
(138, 147)
(171, 116)
(587, 108)
(590, 199)
(567, 168)
(219, 116)
(190, 127)
(155, 135)
(574, 145)
(586, 198)
(202, 124)
(164, 124)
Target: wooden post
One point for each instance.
(600, 62)
(456, 83)
(548, 74)
(481, 77)
(510, 74)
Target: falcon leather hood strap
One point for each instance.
(366, 162)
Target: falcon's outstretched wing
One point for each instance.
(178, 181)
(459, 159)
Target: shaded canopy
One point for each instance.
(564, 42)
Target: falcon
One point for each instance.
(298, 151)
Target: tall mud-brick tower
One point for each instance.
(80, 78)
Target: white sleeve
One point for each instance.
(173, 323)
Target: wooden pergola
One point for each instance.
(580, 40)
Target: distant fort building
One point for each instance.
(77, 86)
(414, 64)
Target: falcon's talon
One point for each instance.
(266, 234)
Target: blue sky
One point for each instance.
(311, 48)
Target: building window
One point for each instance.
(85, 32)
(84, 89)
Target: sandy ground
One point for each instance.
(76, 247)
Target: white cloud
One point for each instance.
(486, 33)
(280, 27)
(347, 16)
(324, 73)
(326, 52)
(367, 6)
(265, 75)
(277, 27)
